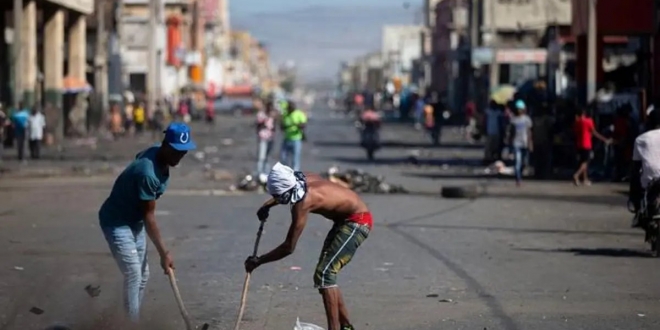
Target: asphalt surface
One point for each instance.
(544, 256)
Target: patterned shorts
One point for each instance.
(338, 250)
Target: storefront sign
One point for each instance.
(521, 56)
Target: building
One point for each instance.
(633, 26)
(401, 45)
(479, 45)
(178, 60)
(44, 53)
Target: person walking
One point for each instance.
(494, 117)
(36, 125)
(585, 130)
(265, 136)
(521, 134)
(128, 215)
(19, 122)
(293, 126)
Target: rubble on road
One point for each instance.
(362, 182)
(250, 183)
(354, 179)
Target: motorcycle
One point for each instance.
(369, 137)
(649, 220)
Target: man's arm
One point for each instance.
(152, 227)
(148, 194)
(298, 222)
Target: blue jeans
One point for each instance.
(521, 160)
(263, 151)
(129, 248)
(290, 153)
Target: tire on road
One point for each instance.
(470, 192)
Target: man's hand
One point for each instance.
(166, 262)
(251, 263)
(262, 214)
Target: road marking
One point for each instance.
(204, 192)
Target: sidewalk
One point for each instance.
(227, 145)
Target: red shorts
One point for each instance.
(363, 218)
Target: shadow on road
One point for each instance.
(516, 230)
(452, 176)
(612, 200)
(598, 252)
(399, 144)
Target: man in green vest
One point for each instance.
(292, 124)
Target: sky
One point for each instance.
(318, 34)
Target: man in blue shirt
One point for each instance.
(20, 122)
(129, 212)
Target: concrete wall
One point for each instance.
(527, 14)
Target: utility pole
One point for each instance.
(474, 43)
(160, 23)
(591, 52)
(17, 50)
(101, 58)
(153, 43)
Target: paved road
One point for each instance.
(545, 256)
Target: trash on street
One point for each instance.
(362, 182)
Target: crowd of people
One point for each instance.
(20, 126)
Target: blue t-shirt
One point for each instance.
(141, 181)
(20, 120)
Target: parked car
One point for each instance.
(234, 105)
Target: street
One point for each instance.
(545, 256)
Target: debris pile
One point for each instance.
(354, 179)
(362, 182)
(250, 183)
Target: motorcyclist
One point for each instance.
(645, 176)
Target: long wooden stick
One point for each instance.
(246, 284)
(179, 301)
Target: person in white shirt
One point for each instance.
(36, 125)
(645, 176)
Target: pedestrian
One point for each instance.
(128, 116)
(139, 117)
(36, 126)
(115, 121)
(494, 117)
(521, 135)
(542, 139)
(470, 121)
(265, 136)
(584, 129)
(310, 194)
(20, 121)
(293, 126)
(3, 124)
(128, 214)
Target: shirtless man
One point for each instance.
(309, 193)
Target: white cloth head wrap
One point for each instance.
(280, 179)
(283, 181)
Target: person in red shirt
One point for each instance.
(584, 129)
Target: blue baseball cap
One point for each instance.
(178, 136)
(520, 104)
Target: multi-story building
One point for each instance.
(175, 42)
(401, 45)
(44, 48)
